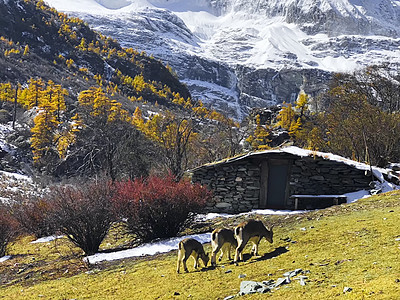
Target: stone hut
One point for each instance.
(288, 178)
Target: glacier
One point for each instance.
(237, 54)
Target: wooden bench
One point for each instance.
(317, 201)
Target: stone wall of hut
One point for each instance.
(235, 186)
(311, 176)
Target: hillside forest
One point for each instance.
(82, 105)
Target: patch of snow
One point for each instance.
(353, 197)
(47, 239)
(147, 249)
(210, 216)
(16, 176)
(4, 258)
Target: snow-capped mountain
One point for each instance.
(236, 54)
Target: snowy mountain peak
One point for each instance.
(113, 4)
(235, 54)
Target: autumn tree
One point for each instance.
(176, 135)
(217, 139)
(34, 92)
(43, 134)
(10, 94)
(354, 127)
(261, 136)
(6, 92)
(299, 122)
(55, 94)
(47, 133)
(107, 141)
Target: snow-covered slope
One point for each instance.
(235, 54)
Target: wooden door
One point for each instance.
(274, 183)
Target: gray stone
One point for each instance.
(253, 188)
(347, 289)
(251, 287)
(242, 276)
(282, 281)
(302, 281)
(223, 205)
(293, 273)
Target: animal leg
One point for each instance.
(196, 260)
(187, 255)
(239, 251)
(214, 255)
(180, 257)
(223, 250)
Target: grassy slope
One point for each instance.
(346, 246)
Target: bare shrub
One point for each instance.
(8, 229)
(83, 213)
(158, 207)
(34, 216)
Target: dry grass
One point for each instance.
(345, 246)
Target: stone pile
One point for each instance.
(252, 287)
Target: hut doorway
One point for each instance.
(274, 183)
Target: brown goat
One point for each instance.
(251, 230)
(222, 239)
(191, 247)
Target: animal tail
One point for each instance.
(214, 236)
(237, 230)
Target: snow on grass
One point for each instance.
(47, 239)
(15, 176)
(353, 197)
(4, 258)
(211, 216)
(147, 249)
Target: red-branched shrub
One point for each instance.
(158, 207)
(83, 213)
(8, 229)
(34, 216)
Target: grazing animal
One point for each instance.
(191, 247)
(222, 239)
(251, 230)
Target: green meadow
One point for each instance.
(353, 245)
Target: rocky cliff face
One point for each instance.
(334, 17)
(236, 54)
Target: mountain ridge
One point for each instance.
(209, 43)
